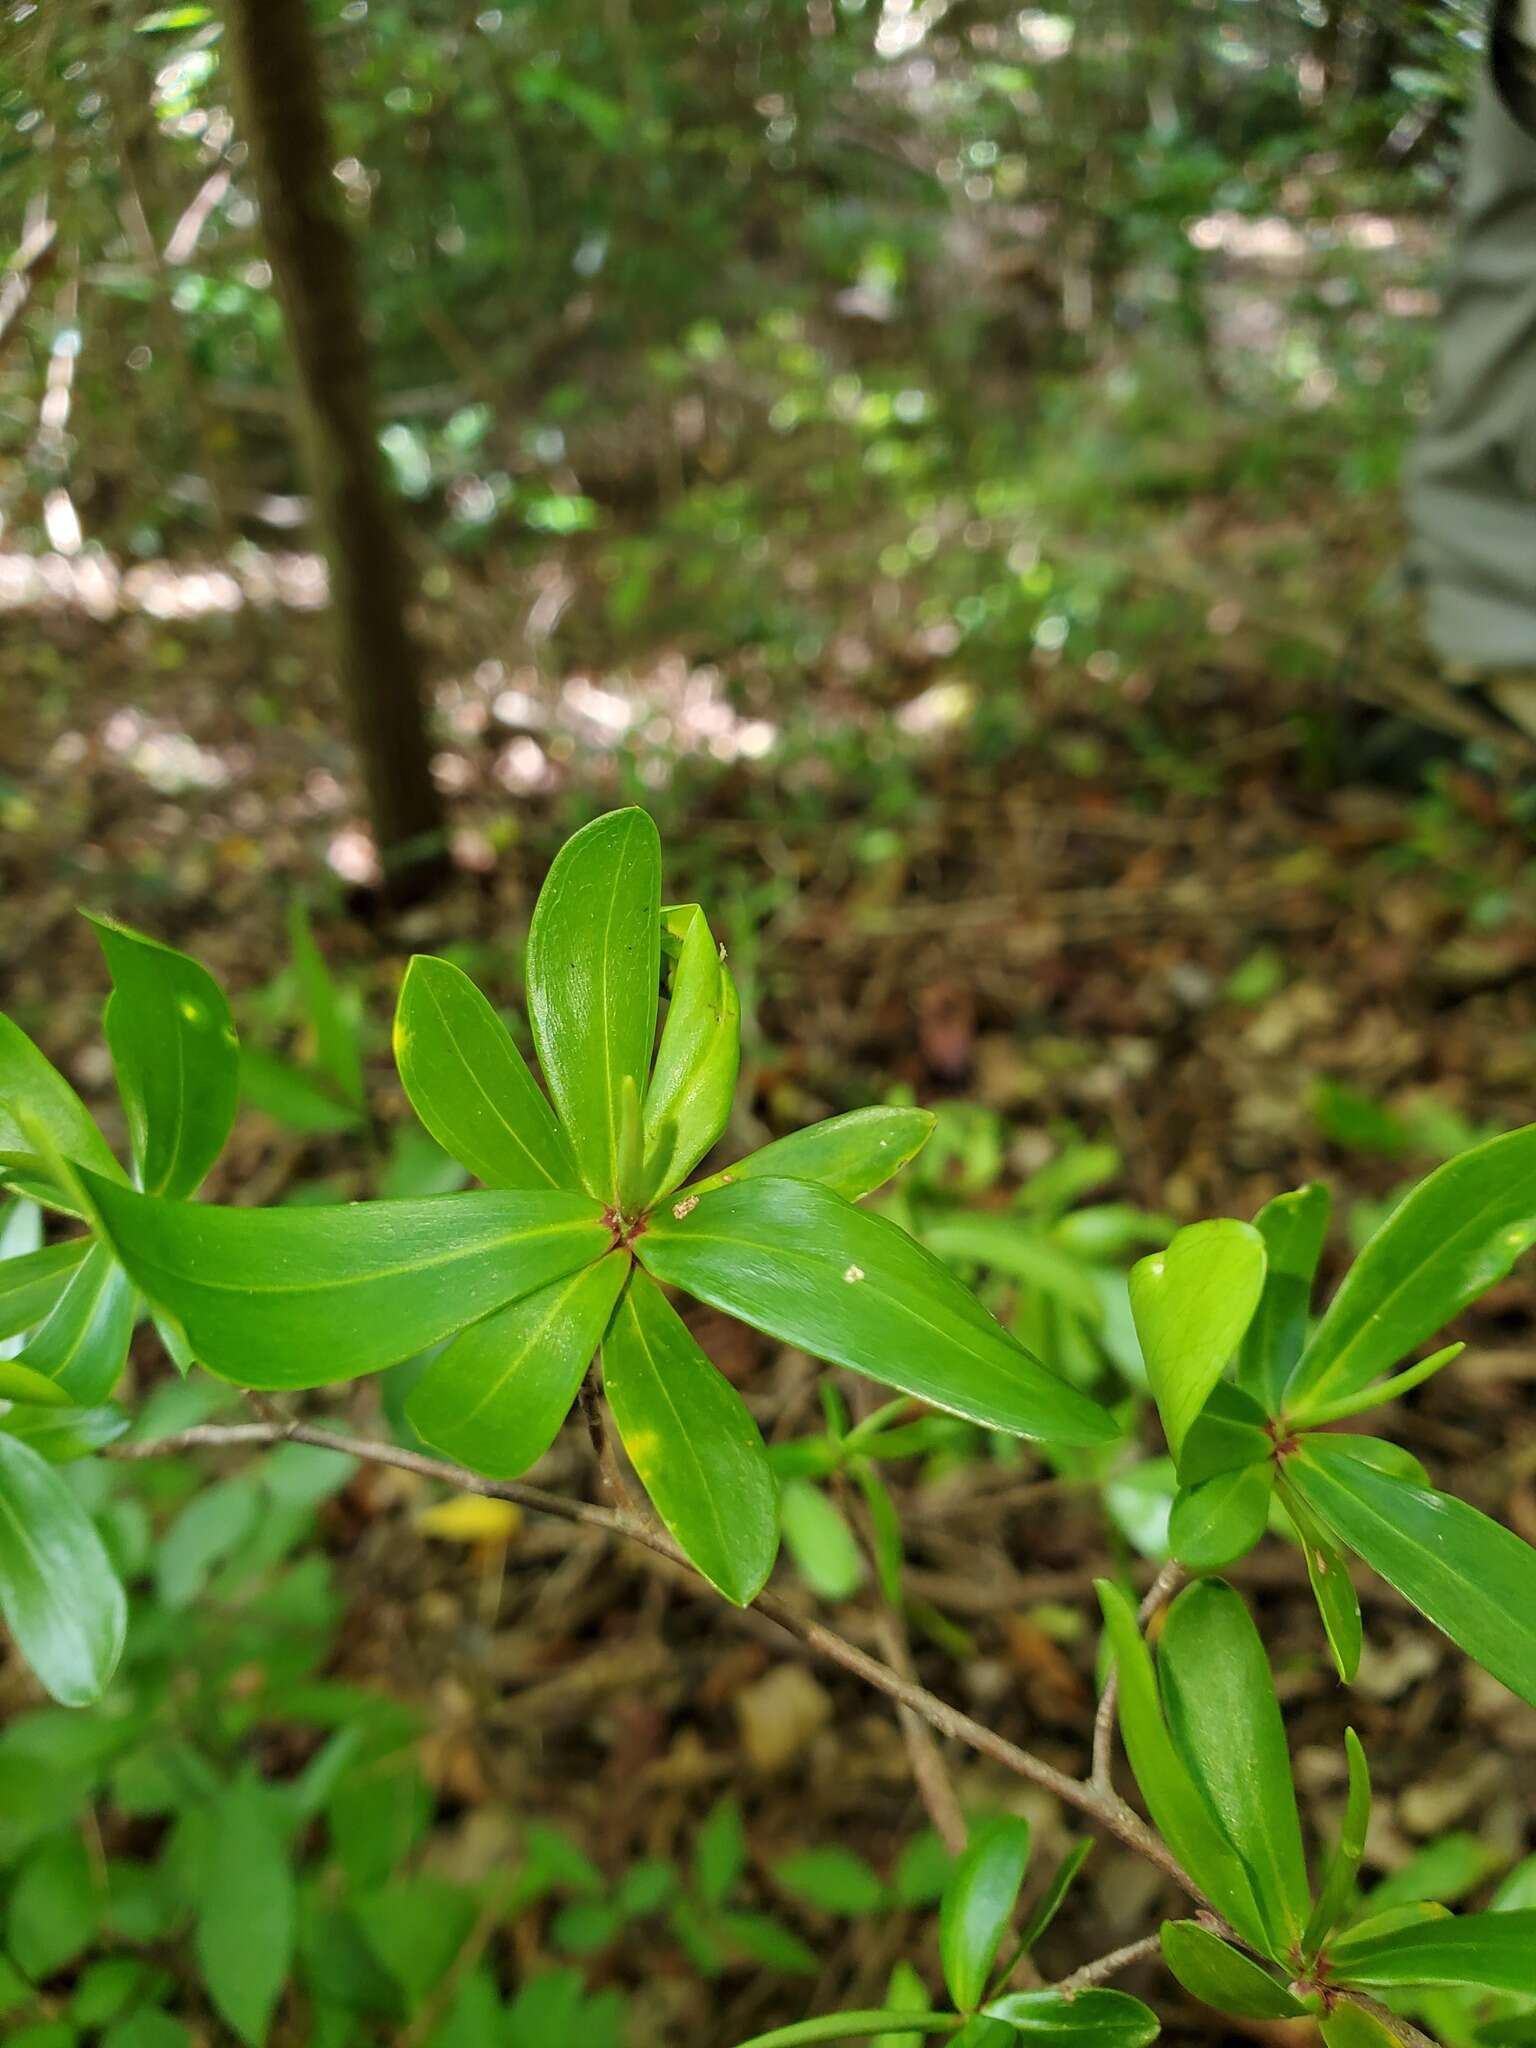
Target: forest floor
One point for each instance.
(1138, 890)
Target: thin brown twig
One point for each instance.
(930, 1773)
(1159, 1593)
(1106, 1810)
(1112, 1964)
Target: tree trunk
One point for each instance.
(271, 51)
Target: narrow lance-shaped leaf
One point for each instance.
(794, 1259)
(594, 962)
(1192, 1304)
(693, 1442)
(852, 1154)
(1473, 1578)
(1483, 1951)
(1177, 1805)
(471, 1086)
(1293, 1227)
(1338, 1604)
(978, 1901)
(689, 1099)
(83, 1345)
(1338, 1886)
(31, 1083)
(854, 2026)
(496, 1396)
(1218, 1974)
(1225, 1721)
(58, 1592)
(299, 1297)
(63, 1434)
(177, 1057)
(1082, 2019)
(1442, 1246)
(32, 1284)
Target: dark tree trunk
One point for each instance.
(272, 55)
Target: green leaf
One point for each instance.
(1224, 1718)
(594, 953)
(630, 1200)
(719, 1853)
(852, 1154)
(978, 1902)
(245, 1911)
(818, 1538)
(1221, 1519)
(1081, 2019)
(905, 1991)
(1018, 1246)
(766, 1940)
(471, 1086)
(1177, 1805)
(1293, 1228)
(55, 1906)
(284, 1092)
(83, 1345)
(1051, 1901)
(1351, 2026)
(58, 1592)
(1228, 1434)
(330, 1010)
(1484, 1951)
(803, 1264)
(689, 1098)
(1442, 1246)
(1192, 1304)
(63, 1434)
(1338, 1604)
(884, 1529)
(853, 2026)
(30, 1286)
(1338, 1886)
(692, 1441)
(299, 1297)
(496, 1396)
(831, 1880)
(177, 1057)
(1217, 1974)
(415, 1927)
(216, 1522)
(29, 1081)
(1473, 1578)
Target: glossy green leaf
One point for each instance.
(1446, 1243)
(495, 1397)
(1218, 1974)
(471, 1086)
(594, 962)
(31, 1082)
(1082, 2019)
(298, 1297)
(1472, 1577)
(1351, 2026)
(905, 1991)
(1382, 1920)
(1224, 1719)
(631, 1161)
(1220, 1520)
(1484, 1951)
(977, 1905)
(1228, 1434)
(245, 1911)
(1338, 1885)
(1382, 1391)
(694, 1082)
(853, 2026)
(1192, 1304)
(177, 1057)
(1180, 1809)
(58, 1592)
(1293, 1227)
(1338, 1604)
(691, 1439)
(852, 1154)
(63, 1434)
(806, 1266)
(83, 1345)
(30, 1286)
(818, 1538)
(1377, 1453)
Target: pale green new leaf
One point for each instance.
(1446, 1243)
(1338, 1886)
(1220, 1520)
(1338, 1604)
(1211, 1970)
(852, 1154)
(803, 1264)
(496, 1396)
(691, 1089)
(818, 1538)
(32, 1083)
(83, 1344)
(31, 1285)
(58, 1592)
(471, 1086)
(1483, 1951)
(693, 1442)
(1192, 1304)
(299, 1297)
(594, 962)
(978, 1902)
(1472, 1577)
(1224, 1719)
(1293, 1227)
(177, 1057)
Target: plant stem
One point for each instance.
(1102, 1806)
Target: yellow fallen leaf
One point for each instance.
(471, 1518)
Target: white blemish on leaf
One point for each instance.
(685, 1207)
(853, 1274)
